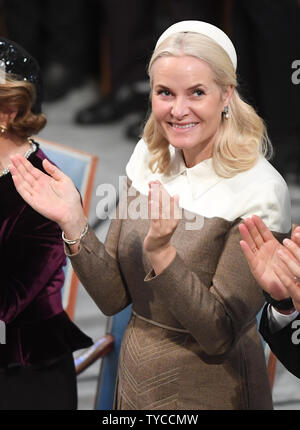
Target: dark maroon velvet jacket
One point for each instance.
(38, 331)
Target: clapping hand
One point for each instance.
(274, 266)
(290, 277)
(53, 195)
(163, 212)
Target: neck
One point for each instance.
(10, 146)
(193, 156)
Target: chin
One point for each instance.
(183, 143)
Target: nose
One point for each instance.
(180, 107)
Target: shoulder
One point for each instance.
(263, 170)
(29, 218)
(139, 159)
(37, 158)
(264, 192)
(137, 168)
(261, 178)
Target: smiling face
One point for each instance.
(187, 104)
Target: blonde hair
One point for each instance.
(19, 96)
(241, 139)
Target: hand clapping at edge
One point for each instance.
(273, 265)
(290, 277)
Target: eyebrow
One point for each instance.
(161, 86)
(194, 87)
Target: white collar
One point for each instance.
(202, 191)
(200, 177)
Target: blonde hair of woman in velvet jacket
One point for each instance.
(192, 340)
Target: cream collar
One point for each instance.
(200, 177)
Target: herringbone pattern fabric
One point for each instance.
(139, 388)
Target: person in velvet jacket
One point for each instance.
(36, 361)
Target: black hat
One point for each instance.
(16, 61)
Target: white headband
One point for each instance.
(207, 30)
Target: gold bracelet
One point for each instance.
(74, 241)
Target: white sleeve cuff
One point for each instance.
(278, 320)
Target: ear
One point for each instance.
(7, 117)
(227, 94)
(12, 115)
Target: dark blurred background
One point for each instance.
(110, 42)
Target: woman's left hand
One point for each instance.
(164, 216)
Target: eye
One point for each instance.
(164, 92)
(198, 92)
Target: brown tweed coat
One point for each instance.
(192, 340)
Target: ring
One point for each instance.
(254, 249)
(296, 280)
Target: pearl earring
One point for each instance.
(3, 128)
(226, 112)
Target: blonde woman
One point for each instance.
(192, 340)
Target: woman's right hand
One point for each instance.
(53, 196)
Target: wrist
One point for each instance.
(73, 224)
(285, 306)
(161, 257)
(160, 251)
(72, 237)
(74, 231)
(285, 312)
